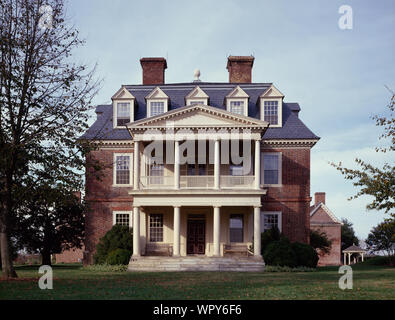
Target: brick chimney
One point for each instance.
(153, 70)
(319, 197)
(240, 69)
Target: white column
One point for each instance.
(176, 165)
(136, 231)
(257, 164)
(216, 164)
(257, 231)
(217, 231)
(344, 259)
(176, 232)
(136, 167)
(362, 256)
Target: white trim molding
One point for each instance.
(279, 217)
(114, 217)
(280, 168)
(196, 96)
(289, 143)
(237, 95)
(157, 95)
(272, 94)
(122, 96)
(115, 155)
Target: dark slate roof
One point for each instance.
(293, 127)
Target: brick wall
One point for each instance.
(293, 197)
(70, 256)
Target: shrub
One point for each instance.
(288, 269)
(118, 256)
(268, 237)
(319, 240)
(280, 253)
(106, 268)
(119, 237)
(305, 255)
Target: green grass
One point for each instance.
(75, 282)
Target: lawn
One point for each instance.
(75, 282)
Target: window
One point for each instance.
(237, 107)
(236, 170)
(122, 172)
(123, 218)
(196, 169)
(191, 103)
(236, 228)
(272, 168)
(271, 219)
(271, 112)
(156, 108)
(123, 113)
(156, 173)
(156, 227)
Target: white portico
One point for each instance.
(197, 183)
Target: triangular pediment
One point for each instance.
(197, 93)
(123, 93)
(237, 92)
(272, 92)
(157, 93)
(198, 116)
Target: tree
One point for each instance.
(382, 238)
(51, 220)
(348, 236)
(319, 241)
(44, 102)
(372, 180)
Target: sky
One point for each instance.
(338, 76)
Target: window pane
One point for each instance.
(156, 174)
(236, 228)
(269, 221)
(271, 169)
(196, 102)
(157, 108)
(236, 170)
(237, 107)
(122, 170)
(271, 112)
(123, 113)
(122, 219)
(156, 227)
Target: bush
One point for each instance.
(288, 269)
(305, 255)
(319, 240)
(106, 268)
(268, 237)
(119, 237)
(280, 253)
(118, 256)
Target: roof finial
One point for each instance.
(196, 75)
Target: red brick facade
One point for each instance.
(240, 69)
(293, 197)
(153, 70)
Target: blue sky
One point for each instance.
(337, 76)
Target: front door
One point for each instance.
(196, 237)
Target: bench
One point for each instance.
(237, 249)
(159, 249)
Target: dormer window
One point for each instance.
(196, 96)
(271, 103)
(123, 108)
(237, 101)
(157, 102)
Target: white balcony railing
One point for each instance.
(236, 182)
(196, 182)
(156, 182)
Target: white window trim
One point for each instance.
(191, 100)
(149, 228)
(245, 100)
(114, 108)
(115, 155)
(279, 111)
(244, 228)
(165, 105)
(280, 167)
(114, 217)
(278, 213)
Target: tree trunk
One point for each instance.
(46, 258)
(7, 267)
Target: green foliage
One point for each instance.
(288, 269)
(371, 180)
(305, 255)
(268, 237)
(280, 253)
(119, 237)
(377, 261)
(348, 236)
(106, 268)
(118, 256)
(319, 241)
(382, 238)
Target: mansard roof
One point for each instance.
(293, 127)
